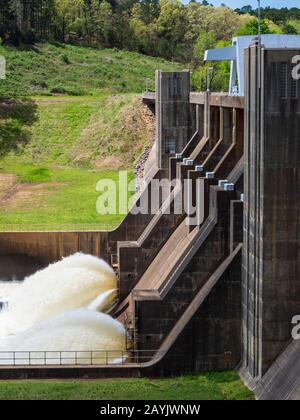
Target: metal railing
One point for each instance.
(75, 358)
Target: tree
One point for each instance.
(245, 10)
(219, 77)
(251, 28)
(66, 13)
(105, 22)
(149, 10)
(292, 27)
(171, 27)
(206, 40)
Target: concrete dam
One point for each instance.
(215, 286)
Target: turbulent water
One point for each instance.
(7, 288)
(60, 309)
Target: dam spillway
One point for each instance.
(222, 292)
(60, 309)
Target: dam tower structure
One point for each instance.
(271, 270)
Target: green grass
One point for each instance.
(59, 198)
(72, 143)
(46, 69)
(104, 131)
(210, 386)
(67, 142)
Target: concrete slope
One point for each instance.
(193, 307)
(163, 211)
(155, 276)
(282, 381)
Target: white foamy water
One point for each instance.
(58, 310)
(80, 331)
(70, 284)
(7, 288)
(103, 302)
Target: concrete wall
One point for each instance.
(47, 247)
(172, 115)
(213, 338)
(271, 285)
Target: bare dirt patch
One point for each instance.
(109, 162)
(116, 136)
(7, 184)
(15, 195)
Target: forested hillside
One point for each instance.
(161, 28)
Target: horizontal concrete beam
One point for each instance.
(215, 99)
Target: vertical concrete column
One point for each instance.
(197, 117)
(234, 123)
(206, 115)
(200, 121)
(221, 123)
(271, 269)
(227, 126)
(173, 115)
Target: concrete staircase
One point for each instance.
(183, 268)
(134, 257)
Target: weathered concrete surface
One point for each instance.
(47, 247)
(271, 285)
(216, 99)
(15, 267)
(179, 283)
(172, 115)
(282, 380)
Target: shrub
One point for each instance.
(58, 91)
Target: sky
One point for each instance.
(240, 3)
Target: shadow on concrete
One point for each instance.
(14, 267)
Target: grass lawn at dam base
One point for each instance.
(53, 199)
(209, 386)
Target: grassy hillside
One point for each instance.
(47, 69)
(93, 132)
(72, 118)
(53, 151)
